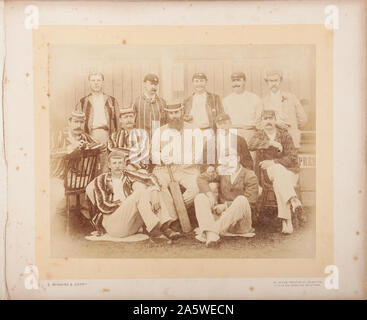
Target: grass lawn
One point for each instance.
(268, 243)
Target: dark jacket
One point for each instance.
(148, 110)
(103, 188)
(112, 112)
(213, 107)
(245, 184)
(288, 157)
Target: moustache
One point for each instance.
(235, 86)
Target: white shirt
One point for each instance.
(271, 136)
(242, 108)
(98, 110)
(198, 111)
(118, 192)
(235, 174)
(276, 101)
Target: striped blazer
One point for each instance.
(59, 148)
(112, 112)
(133, 142)
(103, 188)
(213, 108)
(148, 110)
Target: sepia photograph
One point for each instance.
(182, 151)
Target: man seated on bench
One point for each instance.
(277, 156)
(238, 188)
(125, 210)
(63, 143)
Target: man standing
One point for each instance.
(126, 210)
(173, 135)
(289, 112)
(277, 156)
(64, 143)
(150, 106)
(133, 141)
(101, 111)
(242, 106)
(232, 213)
(202, 107)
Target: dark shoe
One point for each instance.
(296, 206)
(156, 231)
(170, 234)
(212, 244)
(175, 226)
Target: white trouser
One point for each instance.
(284, 182)
(134, 212)
(185, 176)
(239, 209)
(57, 196)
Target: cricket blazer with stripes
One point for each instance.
(60, 142)
(103, 188)
(213, 107)
(148, 110)
(112, 112)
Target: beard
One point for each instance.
(176, 124)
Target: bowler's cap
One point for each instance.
(77, 115)
(273, 72)
(117, 154)
(222, 117)
(152, 78)
(268, 113)
(199, 75)
(174, 106)
(238, 75)
(126, 110)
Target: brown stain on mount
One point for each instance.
(123, 41)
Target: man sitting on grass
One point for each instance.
(238, 189)
(126, 210)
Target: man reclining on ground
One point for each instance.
(126, 210)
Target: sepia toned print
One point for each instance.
(182, 151)
(142, 150)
